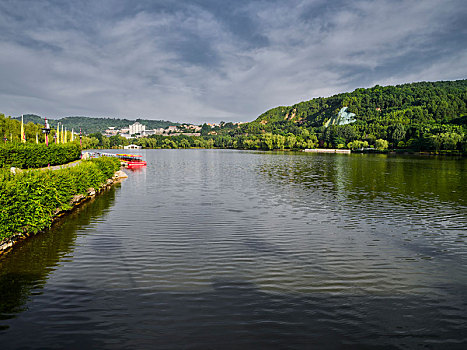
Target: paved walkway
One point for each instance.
(62, 166)
(55, 167)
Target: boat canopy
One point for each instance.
(129, 155)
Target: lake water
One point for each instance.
(219, 249)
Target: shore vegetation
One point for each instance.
(423, 116)
(30, 200)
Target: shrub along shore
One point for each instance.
(30, 201)
(31, 155)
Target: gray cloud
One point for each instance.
(216, 60)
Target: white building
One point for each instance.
(148, 132)
(111, 131)
(132, 147)
(137, 128)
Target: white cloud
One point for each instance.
(189, 63)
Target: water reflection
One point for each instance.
(225, 249)
(24, 271)
(236, 313)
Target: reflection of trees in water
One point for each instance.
(28, 266)
(310, 180)
(408, 178)
(363, 177)
(415, 194)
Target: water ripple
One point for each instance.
(224, 249)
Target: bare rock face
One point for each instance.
(76, 199)
(120, 175)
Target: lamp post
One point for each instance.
(46, 131)
(81, 142)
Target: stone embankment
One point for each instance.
(327, 150)
(8, 243)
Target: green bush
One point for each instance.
(381, 144)
(29, 200)
(31, 155)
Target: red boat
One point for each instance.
(131, 161)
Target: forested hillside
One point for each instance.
(90, 125)
(426, 115)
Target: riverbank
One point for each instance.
(412, 152)
(326, 150)
(251, 249)
(32, 201)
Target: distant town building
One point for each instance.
(111, 131)
(195, 128)
(132, 147)
(137, 128)
(148, 132)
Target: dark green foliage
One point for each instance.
(31, 155)
(11, 130)
(90, 125)
(28, 200)
(418, 116)
(93, 125)
(410, 112)
(31, 118)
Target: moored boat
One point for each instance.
(132, 161)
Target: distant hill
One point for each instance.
(424, 102)
(91, 125)
(416, 116)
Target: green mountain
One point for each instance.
(417, 115)
(424, 102)
(90, 125)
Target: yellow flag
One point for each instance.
(65, 136)
(37, 138)
(23, 136)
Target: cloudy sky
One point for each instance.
(212, 60)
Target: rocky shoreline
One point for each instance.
(7, 244)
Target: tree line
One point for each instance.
(418, 116)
